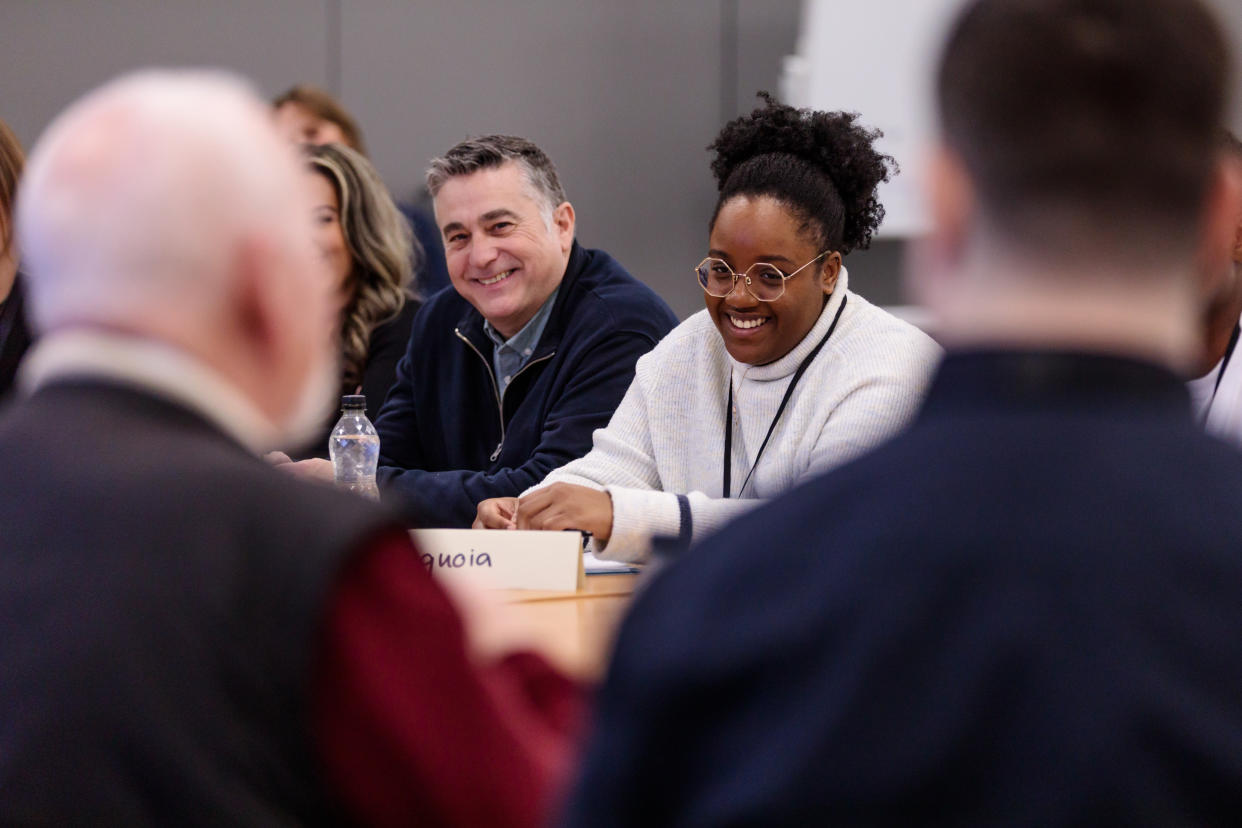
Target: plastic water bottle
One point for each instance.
(354, 448)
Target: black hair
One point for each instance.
(822, 165)
(1086, 120)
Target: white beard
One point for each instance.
(316, 402)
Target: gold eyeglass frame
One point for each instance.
(785, 277)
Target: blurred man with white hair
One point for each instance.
(189, 635)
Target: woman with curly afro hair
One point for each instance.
(786, 373)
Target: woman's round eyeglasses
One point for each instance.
(765, 282)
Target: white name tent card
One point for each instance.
(503, 558)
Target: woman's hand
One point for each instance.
(566, 506)
(496, 513)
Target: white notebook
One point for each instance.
(594, 566)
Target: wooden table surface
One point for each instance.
(576, 629)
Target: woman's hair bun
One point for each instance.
(833, 143)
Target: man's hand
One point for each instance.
(314, 469)
(566, 506)
(496, 513)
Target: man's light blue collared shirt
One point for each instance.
(511, 354)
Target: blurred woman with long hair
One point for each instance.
(367, 243)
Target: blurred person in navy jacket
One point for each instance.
(186, 634)
(508, 374)
(1025, 609)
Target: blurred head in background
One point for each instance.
(306, 114)
(164, 206)
(1079, 182)
(11, 162)
(364, 241)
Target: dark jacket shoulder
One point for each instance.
(15, 337)
(197, 576)
(396, 330)
(606, 293)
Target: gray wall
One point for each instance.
(624, 94)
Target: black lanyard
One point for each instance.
(1224, 363)
(726, 488)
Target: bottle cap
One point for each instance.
(354, 401)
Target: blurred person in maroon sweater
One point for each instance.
(188, 635)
